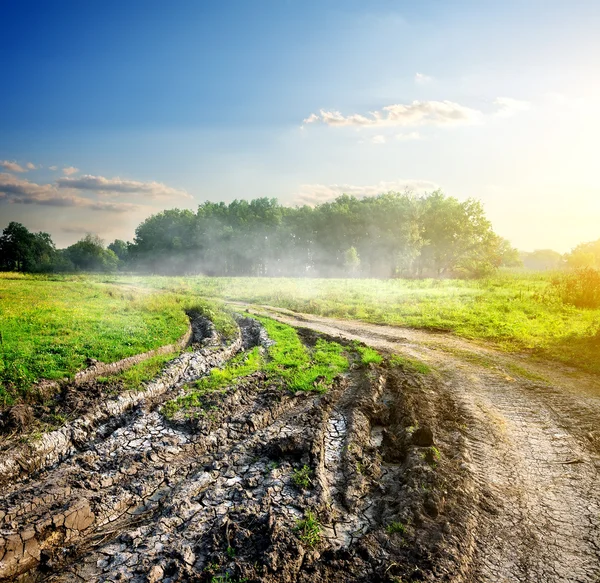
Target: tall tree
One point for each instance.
(22, 250)
(89, 254)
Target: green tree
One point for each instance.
(120, 249)
(541, 260)
(89, 254)
(458, 239)
(584, 255)
(352, 260)
(21, 250)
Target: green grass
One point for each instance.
(136, 377)
(367, 354)
(515, 311)
(409, 364)
(289, 363)
(238, 367)
(298, 368)
(302, 477)
(309, 529)
(396, 527)
(49, 326)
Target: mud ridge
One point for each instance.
(55, 445)
(216, 495)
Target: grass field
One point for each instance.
(50, 325)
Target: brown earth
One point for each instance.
(474, 473)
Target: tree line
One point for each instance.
(390, 235)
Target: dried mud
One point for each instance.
(462, 475)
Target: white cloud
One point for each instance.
(508, 107)
(417, 113)
(409, 136)
(312, 194)
(378, 139)
(12, 166)
(20, 191)
(53, 167)
(31, 166)
(422, 79)
(70, 170)
(114, 186)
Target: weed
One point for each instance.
(432, 455)
(136, 376)
(230, 552)
(302, 477)
(309, 529)
(227, 578)
(396, 527)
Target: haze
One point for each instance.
(111, 112)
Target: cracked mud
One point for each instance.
(463, 475)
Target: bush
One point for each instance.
(580, 288)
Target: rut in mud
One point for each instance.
(390, 475)
(533, 449)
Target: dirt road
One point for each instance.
(534, 448)
(476, 473)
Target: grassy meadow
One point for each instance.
(51, 324)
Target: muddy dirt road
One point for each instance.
(475, 473)
(534, 449)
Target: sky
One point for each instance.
(113, 111)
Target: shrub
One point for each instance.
(580, 288)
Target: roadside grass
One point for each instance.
(516, 312)
(238, 367)
(135, 377)
(50, 325)
(409, 364)
(288, 362)
(367, 354)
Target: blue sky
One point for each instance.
(112, 111)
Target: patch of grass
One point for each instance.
(309, 529)
(523, 372)
(227, 578)
(302, 477)
(238, 367)
(295, 366)
(367, 354)
(395, 527)
(136, 377)
(218, 314)
(409, 364)
(289, 363)
(510, 309)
